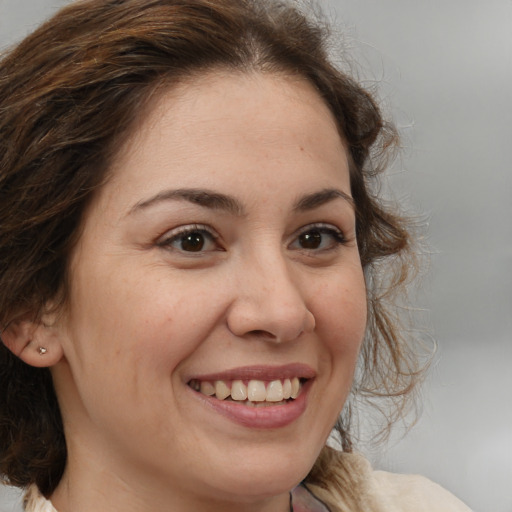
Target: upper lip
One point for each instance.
(260, 372)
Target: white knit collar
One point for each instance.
(34, 501)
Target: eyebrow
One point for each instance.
(201, 197)
(317, 199)
(218, 201)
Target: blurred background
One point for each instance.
(444, 72)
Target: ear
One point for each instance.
(34, 342)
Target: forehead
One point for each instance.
(233, 126)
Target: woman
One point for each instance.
(192, 259)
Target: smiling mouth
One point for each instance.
(252, 393)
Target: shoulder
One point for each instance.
(352, 484)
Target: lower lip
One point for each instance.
(266, 417)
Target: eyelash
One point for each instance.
(179, 234)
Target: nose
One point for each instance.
(269, 304)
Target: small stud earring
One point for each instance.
(42, 351)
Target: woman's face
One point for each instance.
(219, 258)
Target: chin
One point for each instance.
(266, 476)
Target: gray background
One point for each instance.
(444, 70)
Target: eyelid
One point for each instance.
(327, 227)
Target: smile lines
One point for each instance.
(250, 392)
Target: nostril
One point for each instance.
(260, 333)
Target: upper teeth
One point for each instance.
(254, 390)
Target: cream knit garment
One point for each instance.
(34, 502)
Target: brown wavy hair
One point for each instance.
(69, 95)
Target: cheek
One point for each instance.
(341, 313)
(341, 316)
(152, 321)
(142, 330)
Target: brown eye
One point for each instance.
(192, 242)
(310, 240)
(190, 239)
(318, 238)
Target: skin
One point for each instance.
(145, 315)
